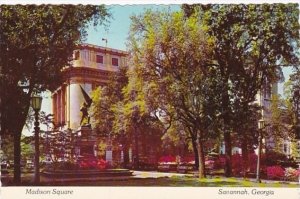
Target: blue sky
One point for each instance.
(119, 25)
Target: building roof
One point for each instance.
(103, 49)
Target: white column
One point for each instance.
(76, 100)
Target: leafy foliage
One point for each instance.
(36, 43)
(251, 44)
(171, 71)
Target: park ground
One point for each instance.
(152, 179)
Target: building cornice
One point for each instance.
(86, 75)
(103, 50)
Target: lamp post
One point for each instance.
(36, 103)
(261, 124)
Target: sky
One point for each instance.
(116, 36)
(119, 26)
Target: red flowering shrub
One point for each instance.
(275, 172)
(92, 163)
(209, 164)
(221, 161)
(252, 162)
(102, 164)
(167, 159)
(188, 159)
(237, 164)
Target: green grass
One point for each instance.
(170, 182)
(177, 182)
(160, 182)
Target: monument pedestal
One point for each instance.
(86, 142)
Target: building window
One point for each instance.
(115, 61)
(77, 55)
(99, 59)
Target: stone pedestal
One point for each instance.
(86, 142)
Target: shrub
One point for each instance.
(291, 174)
(167, 159)
(252, 162)
(102, 164)
(237, 164)
(275, 172)
(219, 163)
(188, 160)
(272, 158)
(93, 163)
(61, 166)
(209, 164)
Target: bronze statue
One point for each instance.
(85, 114)
(84, 108)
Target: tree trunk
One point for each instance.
(245, 156)
(201, 159)
(227, 140)
(136, 154)
(227, 134)
(21, 120)
(126, 155)
(17, 158)
(195, 148)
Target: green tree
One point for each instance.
(291, 109)
(251, 44)
(245, 130)
(280, 121)
(106, 102)
(136, 118)
(171, 69)
(36, 43)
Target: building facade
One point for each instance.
(90, 68)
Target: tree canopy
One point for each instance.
(171, 58)
(36, 43)
(251, 44)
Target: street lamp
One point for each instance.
(261, 124)
(36, 103)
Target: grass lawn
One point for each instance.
(164, 182)
(180, 182)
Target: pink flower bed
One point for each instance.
(167, 159)
(275, 172)
(93, 163)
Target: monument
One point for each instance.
(85, 137)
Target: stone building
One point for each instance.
(89, 69)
